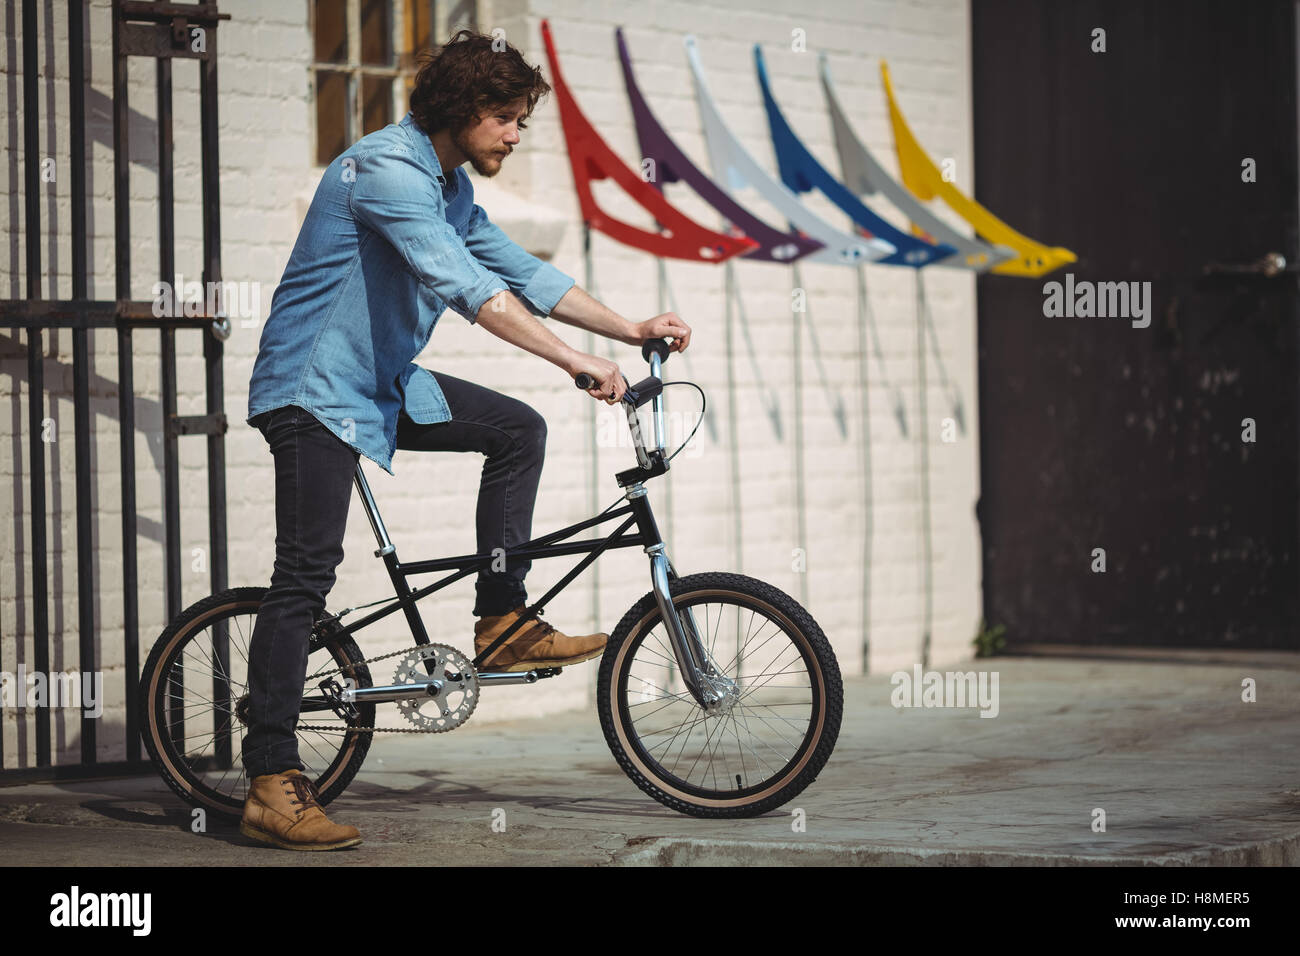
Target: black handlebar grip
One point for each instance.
(655, 345)
(586, 381)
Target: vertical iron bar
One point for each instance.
(213, 353)
(125, 379)
(171, 458)
(81, 364)
(35, 375)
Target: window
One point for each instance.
(365, 60)
(426, 19)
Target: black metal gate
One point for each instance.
(162, 31)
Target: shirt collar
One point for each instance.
(426, 145)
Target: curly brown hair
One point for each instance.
(465, 77)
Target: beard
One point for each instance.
(486, 162)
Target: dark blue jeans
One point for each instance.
(314, 472)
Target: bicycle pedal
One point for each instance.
(333, 692)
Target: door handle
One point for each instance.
(1269, 265)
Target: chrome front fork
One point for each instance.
(710, 687)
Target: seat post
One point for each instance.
(372, 512)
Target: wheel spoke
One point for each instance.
(774, 731)
(198, 690)
(748, 733)
(759, 733)
(766, 682)
(694, 719)
(667, 655)
(653, 712)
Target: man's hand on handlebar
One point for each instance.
(610, 383)
(668, 325)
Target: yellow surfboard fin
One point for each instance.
(923, 178)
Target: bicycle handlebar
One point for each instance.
(638, 394)
(654, 351)
(658, 346)
(644, 390)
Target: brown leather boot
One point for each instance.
(282, 810)
(536, 644)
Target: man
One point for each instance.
(392, 238)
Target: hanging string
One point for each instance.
(667, 288)
(868, 528)
(900, 409)
(593, 474)
(923, 444)
(833, 397)
(733, 433)
(801, 525)
(950, 389)
(766, 394)
(662, 290)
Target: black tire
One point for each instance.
(211, 775)
(630, 735)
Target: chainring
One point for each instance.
(454, 702)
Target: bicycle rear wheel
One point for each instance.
(192, 688)
(776, 731)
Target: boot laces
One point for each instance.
(536, 628)
(305, 791)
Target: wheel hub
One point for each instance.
(725, 692)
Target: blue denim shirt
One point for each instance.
(388, 244)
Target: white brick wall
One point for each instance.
(267, 180)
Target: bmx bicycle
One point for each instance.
(717, 693)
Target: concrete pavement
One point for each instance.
(1185, 771)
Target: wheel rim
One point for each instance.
(768, 732)
(195, 722)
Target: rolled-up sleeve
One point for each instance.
(538, 284)
(396, 197)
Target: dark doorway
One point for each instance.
(1094, 433)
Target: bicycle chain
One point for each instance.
(369, 730)
(374, 730)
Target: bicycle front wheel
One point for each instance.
(776, 727)
(193, 694)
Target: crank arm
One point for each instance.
(390, 692)
(495, 678)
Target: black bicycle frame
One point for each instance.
(699, 674)
(637, 509)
